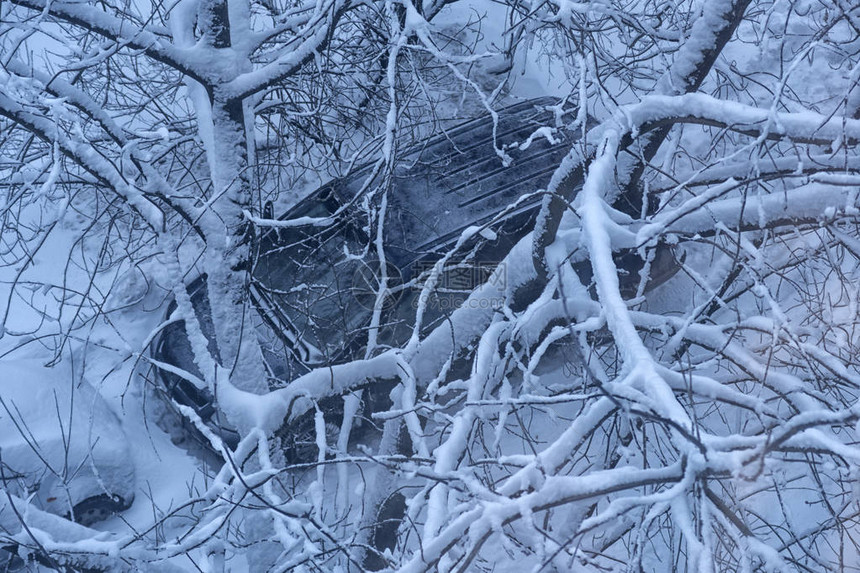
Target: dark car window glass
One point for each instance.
(306, 275)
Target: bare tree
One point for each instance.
(705, 424)
(696, 438)
(157, 132)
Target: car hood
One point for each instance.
(59, 439)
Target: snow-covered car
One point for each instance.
(61, 447)
(314, 302)
(314, 286)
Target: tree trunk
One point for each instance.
(228, 247)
